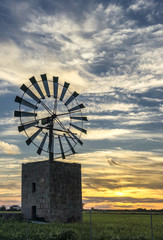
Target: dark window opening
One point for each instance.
(33, 187)
(34, 212)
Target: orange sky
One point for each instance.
(110, 180)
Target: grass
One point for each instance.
(105, 226)
(8, 211)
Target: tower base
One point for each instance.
(51, 191)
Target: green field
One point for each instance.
(105, 226)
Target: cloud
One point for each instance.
(122, 202)
(9, 132)
(110, 51)
(123, 199)
(120, 134)
(8, 121)
(10, 149)
(106, 46)
(142, 5)
(113, 162)
(106, 172)
(109, 107)
(101, 134)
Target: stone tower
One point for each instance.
(52, 191)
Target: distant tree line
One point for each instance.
(3, 208)
(125, 210)
(12, 208)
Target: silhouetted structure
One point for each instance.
(52, 191)
(52, 120)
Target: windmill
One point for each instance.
(55, 115)
(52, 119)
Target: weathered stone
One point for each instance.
(52, 191)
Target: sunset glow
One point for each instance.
(111, 53)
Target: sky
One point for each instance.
(111, 53)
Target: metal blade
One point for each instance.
(24, 114)
(71, 98)
(42, 144)
(26, 126)
(64, 90)
(74, 136)
(61, 147)
(29, 92)
(55, 86)
(80, 118)
(72, 149)
(79, 128)
(25, 103)
(37, 87)
(80, 106)
(29, 140)
(46, 86)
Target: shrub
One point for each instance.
(67, 234)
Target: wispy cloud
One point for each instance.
(122, 176)
(101, 134)
(106, 43)
(110, 52)
(140, 5)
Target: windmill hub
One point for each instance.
(54, 116)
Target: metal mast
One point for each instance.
(51, 142)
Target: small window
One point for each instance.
(34, 212)
(33, 187)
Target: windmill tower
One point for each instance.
(52, 120)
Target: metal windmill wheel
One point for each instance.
(51, 117)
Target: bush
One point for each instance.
(3, 208)
(67, 234)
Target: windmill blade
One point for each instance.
(64, 90)
(42, 144)
(80, 106)
(29, 92)
(29, 140)
(80, 118)
(26, 126)
(32, 95)
(37, 87)
(71, 98)
(55, 86)
(79, 128)
(24, 114)
(61, 147)
(74, 136)
(72, 149)
(25, 103)
(46, 86)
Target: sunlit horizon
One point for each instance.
(111, 54)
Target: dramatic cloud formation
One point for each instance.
(122, 176)
(111, 53)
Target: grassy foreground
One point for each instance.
(105, 226)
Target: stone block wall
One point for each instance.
(35, 175)
(66, 194)
(52, 191)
